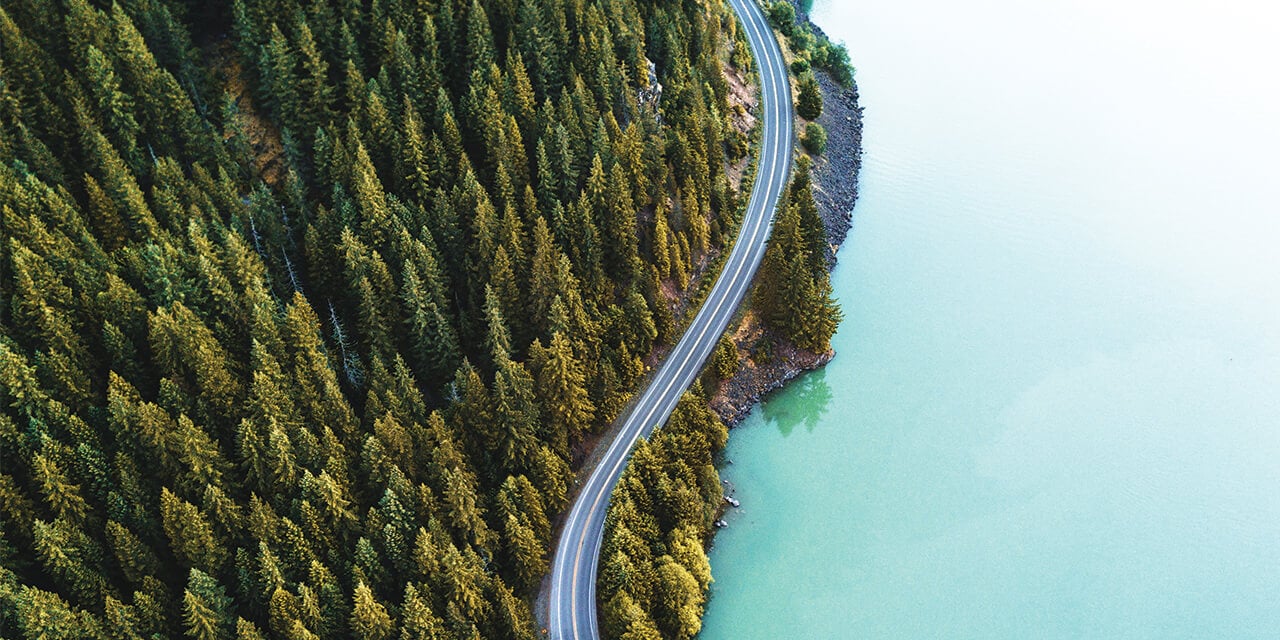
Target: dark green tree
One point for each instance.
(809, 99)
(206, 608)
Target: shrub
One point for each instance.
(800, 66)
(838, 64)
(802, 42)
(783, 16)
(814, 138)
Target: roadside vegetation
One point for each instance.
(814, 138)
(811, 50)
(654, 572)
(793, 289)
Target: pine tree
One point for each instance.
(63, 496)
(498, 336)
(782, 273)
(820, 313)
(206, 608)
(133, 555)
(119, 183)
(724, 360)
(479, 40)
(562, 390)
(518, 497)
(511, 616)
(190, 534)
(319, 396)
(678, 609)
(246, 630)
(369, 618)
(113, 107)
(417, 622)
(543, 271)
(38, 613)
(516, 415)
(68, 555)
(280, 76)
(625, 619)
(812, 230)
(794, 290)
(414, 167)
(184, 345)
(662, 244)
(433, 342)
(165, 107)
(464, 580)
(619, 225)
(809, 100)
(315, 92)
(527, 556)
(507, 293)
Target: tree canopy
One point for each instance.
(306, 307)
(793, 289)
(654, 572)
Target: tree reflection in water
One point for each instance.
(804, 400)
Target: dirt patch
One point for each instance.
(263, 136)
(743, 102)
(742, 93)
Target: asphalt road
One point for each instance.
(572, 614)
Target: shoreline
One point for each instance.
(767, 362)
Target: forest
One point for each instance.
(308, 311)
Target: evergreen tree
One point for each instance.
(809, 100)
(61, 495)
(479, 40)
(433, 342)
(190, 535)
(417, 620)
(206, 608)
(113, 107)
(724, 360)
(679, 604)
(280, 76)
(315, 92)
(528, 558)
(562, 389)
(134, 557)
(791, 295)
(369, 619)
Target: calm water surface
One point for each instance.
(1055, 412)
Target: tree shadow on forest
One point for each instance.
(804, 401)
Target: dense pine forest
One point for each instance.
(307, 309)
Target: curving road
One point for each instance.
(572, 614)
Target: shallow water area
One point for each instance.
(1054, 409)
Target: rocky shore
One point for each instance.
(835, 172)
(768, 361)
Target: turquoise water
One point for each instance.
(1054, 412)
